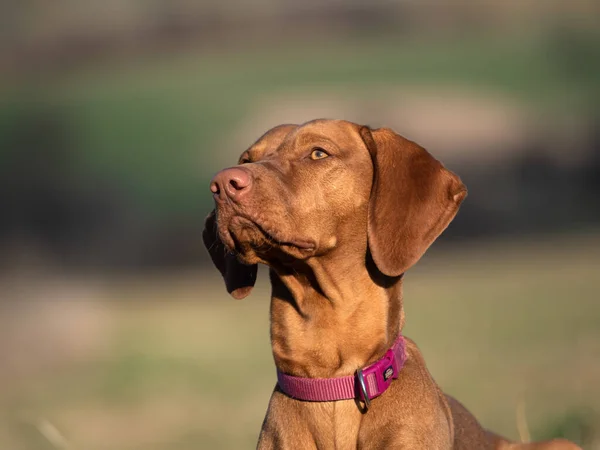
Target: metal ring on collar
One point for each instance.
(363, 388)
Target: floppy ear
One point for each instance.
(413, 199)
(239, 278)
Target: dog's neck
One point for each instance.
(329, 319)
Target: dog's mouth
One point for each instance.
(245, 236)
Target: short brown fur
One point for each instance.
(338, 233)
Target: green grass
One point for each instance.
(183, 366)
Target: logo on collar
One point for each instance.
(388, 373)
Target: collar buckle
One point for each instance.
(376, 378)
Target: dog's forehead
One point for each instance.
(289, 137)
(267, 143)
(340, 132)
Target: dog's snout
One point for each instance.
(234, 183)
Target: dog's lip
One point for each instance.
(301, 244)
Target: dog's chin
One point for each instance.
(253, 244)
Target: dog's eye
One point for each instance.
(318, 153)
(245, 158)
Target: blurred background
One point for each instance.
(115, 330)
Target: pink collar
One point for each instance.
(368, 383)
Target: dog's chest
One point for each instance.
(346, 425)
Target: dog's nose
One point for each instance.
(234, 183)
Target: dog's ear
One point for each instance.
(413, 199)
(239, 278)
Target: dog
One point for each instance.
(339, 212)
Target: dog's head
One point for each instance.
(305, 191)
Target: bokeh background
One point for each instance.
(115, 331)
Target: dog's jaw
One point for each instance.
(255, 243)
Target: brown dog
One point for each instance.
(339, 212)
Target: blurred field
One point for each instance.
(117, 123)
(114, 331)
(169, 362)
(108, 163)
